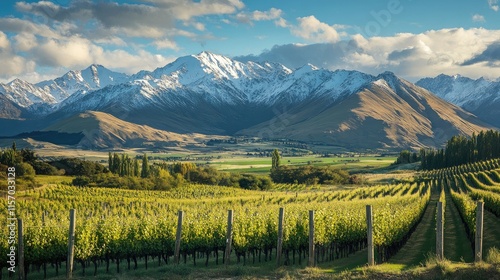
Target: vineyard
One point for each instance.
(119, 226)
(119, 230)
(466, 184)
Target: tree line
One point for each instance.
(127, 172)
(308, 174)
(461, 150)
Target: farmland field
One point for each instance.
(132, 232)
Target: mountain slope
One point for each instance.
(42, 98)
(212, 94)
(387, 112)
(481, 96)
(209, 93)
(25, 94)
(102, 130)
(9, 109)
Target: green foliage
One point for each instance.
(253, 182)
(493, 256)
(10, 157)
(145, 166)
(78, 167)
(461, 150)
(123, 224)
(81, 181)
(136, 168)
(44, 168)
(309, 175)
(25, 169)
(183, 168)
(406, 156)
(469, 183)
(275, 159)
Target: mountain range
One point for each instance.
(213, 94)
(480, 97)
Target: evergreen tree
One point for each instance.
(461, 150)
(116, 163)
(122, 165)
(275, 159)
(110, 162)
(14, 146)
(145, 166)
(136, 168)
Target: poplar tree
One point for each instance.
(145, 166)
(275, 159)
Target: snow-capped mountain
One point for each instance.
(481, 96)
(26, 94)
(92, 78)
(44, 97)
(213, 94)
(385, 112)
(219, 80)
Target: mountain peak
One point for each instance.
(16, 81)
(388, 75)
(95, 67)
(306, 68)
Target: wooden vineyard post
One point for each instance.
(369, 223)
(281, 218)
(439, 232)
(311, 238)
(71, 244)
(178, 236)
(20, 242)
(479, 232)
(229, 237)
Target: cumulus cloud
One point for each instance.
(493, 5)
(16, 25)
(4, 41)
(271, 14)
(478, 18)
(490, 56)
(75, 53)
(410, 55)
(70, 34)
(281, 22)
(12, 64)
(165, 44)
(311, 29)
(133, 19)
(25, 41)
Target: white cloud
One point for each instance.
(12, 64)
(16, 25)
(73, 34)
(311, 29)
(186, 9)
(78, 53)
(470, 52)
(126, 62)
(271, 14)
(25, 41)
(165, 44)
(281, 22)
(4, 41)
(493, 5)
(478, 18)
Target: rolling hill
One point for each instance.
(103, 130)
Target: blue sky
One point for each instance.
(413, 38)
